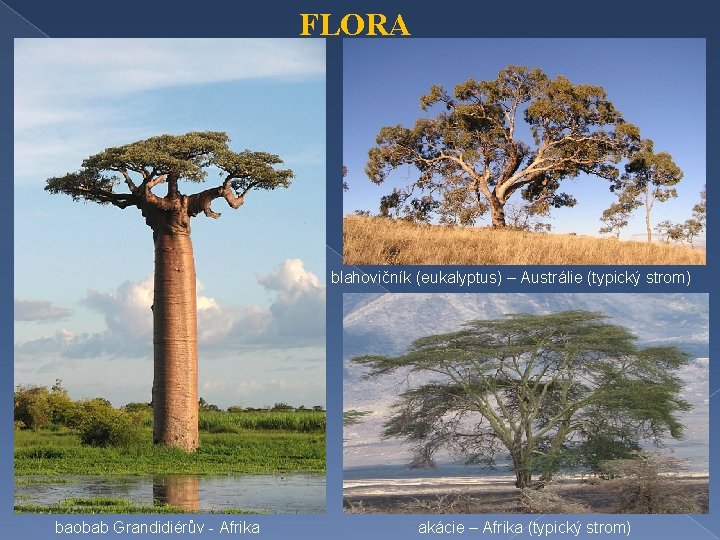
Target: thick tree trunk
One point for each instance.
(175, 384)
(177, 490)
(497, 213)
(523, 479)
(523, 473)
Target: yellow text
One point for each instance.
(352, 24)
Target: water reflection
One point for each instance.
(180, 490)
(278, 494)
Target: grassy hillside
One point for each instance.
(383, 241)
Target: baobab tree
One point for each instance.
(127, 176)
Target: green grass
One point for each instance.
(108, 505)
(59, 451)
(301, 421)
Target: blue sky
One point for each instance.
(658, 84)
(83, 271)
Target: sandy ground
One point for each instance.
(498, 495)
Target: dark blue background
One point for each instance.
(239, 18)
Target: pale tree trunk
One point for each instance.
(648, 207)
(497, 212)
(175, 384)
(523, 472)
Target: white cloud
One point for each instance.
(297, 315)
(295, 318)
(69, 92)
(128, 322)
(291, 274)
(107, 68)
(39, 311)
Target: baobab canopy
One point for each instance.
(165, 159)
(125, 176)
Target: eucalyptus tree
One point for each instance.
(649, 178)
(128, 176)
(551, 391)
(617, 215)
(472, 152)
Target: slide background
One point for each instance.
(217, 18)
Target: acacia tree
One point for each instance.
(551, 391)
(126, 176)
(648, 178)
(472, 151)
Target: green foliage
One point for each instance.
(281, 406)
(616, 216)
(137, 407)
(353, 417)
(235, 409)
(99, 424)
(110, 505)
(690, 229)
(470, 159)
(125, 175)
(553, 391)
(99, 439)
(699, 211)
(205, 406)
(649, 178)
(282, 419)
(37, 406)
(241, 451)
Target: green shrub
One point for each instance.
(137, 407)
(102, 425)
(235, 409)
(38, 406)
(648, 485)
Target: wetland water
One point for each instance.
(277, 494)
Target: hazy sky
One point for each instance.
(658, 84)
(83, 272)
(388, 323)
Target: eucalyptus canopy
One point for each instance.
(649, 178)
(471, 156)
(551, 391)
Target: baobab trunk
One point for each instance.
(175, 384)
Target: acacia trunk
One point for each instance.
(175, 384)
(523, 472)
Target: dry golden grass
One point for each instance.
(382, 241)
